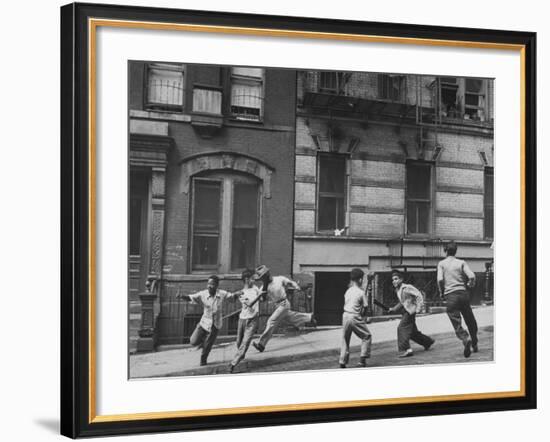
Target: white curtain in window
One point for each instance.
(247, 95)
(165, 86)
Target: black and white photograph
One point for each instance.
(285, 219)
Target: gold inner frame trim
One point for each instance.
(93, 24)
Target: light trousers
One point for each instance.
(283, 313)
(353, 323)
(245, 332)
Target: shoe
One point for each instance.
(342, 365)
(406, 353)
(428, 346)
(474, 348)
(258, 346)
(362, 362)
(468, 349)
(231, 368)
(313, 322)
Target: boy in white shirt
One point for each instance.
(248, 318)
(275, 288)
(410, 303)
(353, 321)
(212, 301)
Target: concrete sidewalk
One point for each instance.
(291, 347)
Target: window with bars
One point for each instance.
(247, 93)
(391, 87)
(331, 82)
(419, 197)
(488, 202)
(331, 204)
(225, 222)
(165, 87)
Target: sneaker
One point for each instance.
(313, 322)
(231, 368)
(362, 362)
(467, 349)
(428, 346)
(406, 353)
(258, 346)
(342, 365)
(474, 348)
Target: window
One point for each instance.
(331, 82)
(206, 224)
(245, 225)
(391, 87)
(449, 97)
(165, 87)
(488, 202)
(331, 207)
(419, 191)
(225, 222)
(247, 93)
(474, 99)
(463, 98)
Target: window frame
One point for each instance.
(202, 268)
(340, 83)
(244, 79)
(164, 107)
(384, 83)
(482, 93)
(431, 166)
(346, 158)
(227, 181)
(459, 86)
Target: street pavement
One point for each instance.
(319, 349)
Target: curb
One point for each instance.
(246, 365)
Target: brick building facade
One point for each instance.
(211, 170)
(387, 168)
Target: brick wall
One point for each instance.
(377, 197)
(378, 171)
(464, 148)
(376, 194)
(459, 202)
(376, 224)
(463, 228)
(305, 193)
(453, 176)
(304, 222)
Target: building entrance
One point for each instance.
(329, 297)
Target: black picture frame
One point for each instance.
(77, 405)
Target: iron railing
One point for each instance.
(164, 94)
(247, 106)
(178, 318)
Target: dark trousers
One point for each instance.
(204, 337)
(408, 331)
(458, 303)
